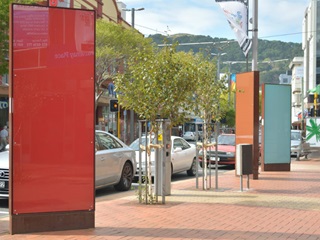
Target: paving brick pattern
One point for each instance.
(279, 205)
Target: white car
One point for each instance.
(115, 164)
(183, 156)
(4, 173)
(189, 136)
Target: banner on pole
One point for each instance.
(237, 17)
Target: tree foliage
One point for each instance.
(4, 32)
(4, 36)
(115, 44)
(210, 92)
(160, 84)
(173, 85)
(211, 101)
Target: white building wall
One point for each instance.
(122, 6)
(297, 87)
(309, 40)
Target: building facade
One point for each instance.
(109, 10)
(114, 122)
(298, 105)
(311, 45)
(311, 59)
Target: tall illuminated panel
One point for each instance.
(276, 127)
(51, 118)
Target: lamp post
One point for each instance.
(218, 63)
(255, 36)
(132, 10)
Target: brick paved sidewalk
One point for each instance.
(280, 205)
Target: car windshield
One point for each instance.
(135, 144)
(295, 136)
(227, 140)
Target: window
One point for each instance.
(180, 143)
(107, 142)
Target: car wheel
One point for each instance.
(201, 165)
(193, 169)
(126, 178)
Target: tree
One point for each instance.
(4, 33)
(158, 84)
(211, 101)
(115, 44)
(171, 84)
(4, 37)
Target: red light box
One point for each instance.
(52, 109)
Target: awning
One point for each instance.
(315, 90)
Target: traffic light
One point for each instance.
(114, 106)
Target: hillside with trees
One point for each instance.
(274, 57)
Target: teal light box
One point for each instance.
(277, 123)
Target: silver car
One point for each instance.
(299, 147)
(115, 164)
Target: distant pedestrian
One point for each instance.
(111, 91)
(3, 138)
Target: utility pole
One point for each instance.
(131, 111)
(255, 36)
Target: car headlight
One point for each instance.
(200, 155)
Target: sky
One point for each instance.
(277, 19)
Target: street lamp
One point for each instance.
(133, 10)
(218, 67)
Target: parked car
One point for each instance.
(189, 136)
(299, 147)
(115, 164)
(226, 149)
(4, 173)
(182, 156)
